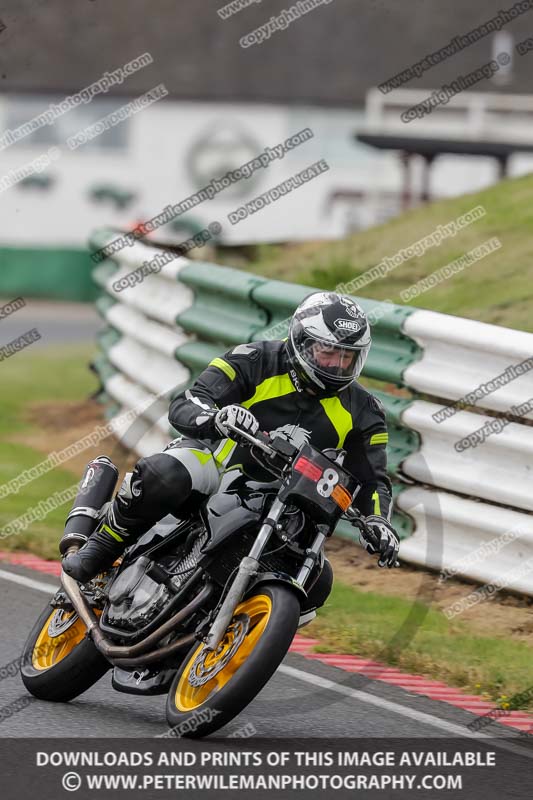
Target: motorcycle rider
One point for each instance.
(303, 388)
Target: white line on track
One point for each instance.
(49, 588)
(324, 683)
(396, 708)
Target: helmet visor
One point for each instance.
(333, 361)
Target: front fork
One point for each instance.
(312, 554)
(249, 567)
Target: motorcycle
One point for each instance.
(206, 609)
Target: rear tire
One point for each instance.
(59, 668)
(272, 612)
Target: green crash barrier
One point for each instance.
(197, 355)
(102, 237)
(402, 441)
(108, 337)
(104, 368)
(389, 357)
(103, 272)
(223, 308)
(222, 297)
(104, 303)
(394, 405)
(281, 298)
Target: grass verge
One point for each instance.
(58, 374)
(420, 639)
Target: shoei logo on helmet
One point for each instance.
(347, 324)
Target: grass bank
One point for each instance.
(497, 289)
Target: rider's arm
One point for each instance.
(366, 458)
(228, 379)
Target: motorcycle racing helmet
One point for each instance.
(328, 342)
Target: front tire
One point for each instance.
(60, 667)
(210, 689)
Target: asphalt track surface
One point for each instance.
(58, 323)
(303, 699)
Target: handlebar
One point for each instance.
(261, 440)
(358, 521)
(279, 454)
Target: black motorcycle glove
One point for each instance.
(386, 541)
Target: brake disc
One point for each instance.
(199, 674)
(59, 624)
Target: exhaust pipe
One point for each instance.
(137, 653)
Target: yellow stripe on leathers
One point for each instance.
(226, 368)
(277, 386)
(339, 417)
(379, 438)
(223, 452)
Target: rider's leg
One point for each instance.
(159, 485)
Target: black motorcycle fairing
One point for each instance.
(223, 525)
(238, 506)
(238, 503)
(159, 540)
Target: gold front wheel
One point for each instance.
(213, 687)
(207, 672)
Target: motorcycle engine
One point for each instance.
(135, 598)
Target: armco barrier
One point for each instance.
(460, 355)
(448, 504)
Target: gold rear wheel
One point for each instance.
(49, 649)
(59, 662)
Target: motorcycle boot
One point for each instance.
(127, 518)
(105, 545)
(160, 484)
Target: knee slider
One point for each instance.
(131, 488)
(161, 480)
